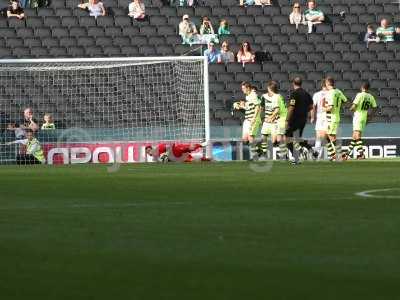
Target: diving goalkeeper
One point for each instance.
(33, 153)
(176, 152)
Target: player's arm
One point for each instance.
(289, 116)
(238, 105)
(22, 142)
(257, 112)
(274, 115)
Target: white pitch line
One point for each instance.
(370, 193)
(87, 205)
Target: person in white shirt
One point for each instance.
(95, 8)
(318, 115)
(137, 10)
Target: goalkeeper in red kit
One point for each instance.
(176, 152)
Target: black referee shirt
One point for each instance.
(302, 102)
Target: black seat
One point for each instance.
(68, 42)
(94, 51)
(95, 31)
(63, 12)
(112, 31)
(39, 52)
(42, 32)
(21, 52)
(58, 52)
(87, 21)
(24, 32)
(16, 23)
(112, 51)
(60, 32)
(104, 41)
(77, 31)
(76, 51)
(50, 42)
(45, 12)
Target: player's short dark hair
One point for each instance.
(329, 80)
(253, 87)
(273, 86)
(365, 86)
(28, 130)
(148, 147)
(297, 81)
(246, 84)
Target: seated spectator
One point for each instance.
(48, 122)
(263, 2)
(297, 17)
(371, 36)
(226, 54)
(206, 27)
(224, 28)
(187, 2)
(246, 2)
(15, 10)
(95, 8)
(313, 16)
(245, 54)
(212, 54)
(137, 10)
(187, 30)
(385, 32)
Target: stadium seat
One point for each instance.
(87, 21)
(50, 42)
(63, 12)
(68, 42)
(39, 52)
(121, 41)
(16, 23)
(104, 41)
(130, 50)
(60, 32)
(45, 12)
(32, 41)
(24, 32)
(58, 52)
(112, 31)
(85, 41)
(77, 31)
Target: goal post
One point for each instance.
(105, 101)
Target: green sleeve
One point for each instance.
(373, 102)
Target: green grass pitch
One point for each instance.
(200, 231)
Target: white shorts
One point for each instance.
(268, 128)
(321, 124)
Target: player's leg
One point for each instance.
(358, 128)
(359, 147)
(265, 133)
(253, 132)
(334, 150)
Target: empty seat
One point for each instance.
(58, 52)
(77, 31)
(32, 42)
(130, 50)
(76, 51)
(52, 21)
(112, 31)
(60, 32)
(68, 42)
(63, 12)
(123, 21)
(70, 21)
(87, 21)
(39, 52)
(94, 51)
(86, 41)
(121, 41)
(21, 52)
(24, 32)
(42, 32)
(95, 31)
(16, 23)
(104, 41)
(165, 50)
(14, 42)
(45, 12)
(50, 42)
(112, 51)
(7, 32)
(147, 50)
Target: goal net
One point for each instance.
(103, 101)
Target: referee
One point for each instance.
(300, 104)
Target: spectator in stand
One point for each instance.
(212, 54)
(187, 2)
(224, 28)
(371, 36)
(297, 17)
(206, 27)
(187, 30)
(385, 32)
(137, 10)
(313, 16)
(263, 2)
(28, 122)
(246, 2)
(95, 8)
(245, 54)
(226, 54)
(48, 122)
(15, 10)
